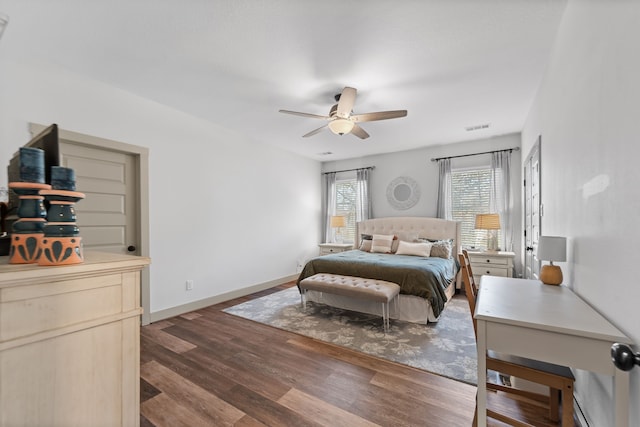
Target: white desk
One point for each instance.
(549, 323)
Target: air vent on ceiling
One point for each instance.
(477, 127)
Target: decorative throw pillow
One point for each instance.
(365, 242)
(365, 245)
(382, 243)
(442, 249)
(407, 236)
(414, 248)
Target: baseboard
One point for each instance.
(197, 305)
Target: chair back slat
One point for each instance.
(470, 288)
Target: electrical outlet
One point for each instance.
(189, 285)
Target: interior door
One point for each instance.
(532, 211)
(115, 171)
(107, 215)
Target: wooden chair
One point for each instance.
(559, 379)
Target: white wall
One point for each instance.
(587, 111)
(226, 212)
(417, 164)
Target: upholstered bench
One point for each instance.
(355, 287)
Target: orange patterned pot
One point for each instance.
(61, 251)
(25, 248)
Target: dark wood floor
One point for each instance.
(209, 368)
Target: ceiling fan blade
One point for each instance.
(359, 132)
(297, 113)
(313, 132)
(345, 104)
(380, 115)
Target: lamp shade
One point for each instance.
(490, 221)
(552, 248)
(337, 221)
(341, 126)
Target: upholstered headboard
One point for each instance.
(430, 228)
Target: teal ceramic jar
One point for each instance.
(31, 165)
(32, 207)
(61, 212)
(61, 230)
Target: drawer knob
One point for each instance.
(488, 271)
(488, 260)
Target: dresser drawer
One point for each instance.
(490, 260)
(491, 271)
(491, 264)
(327, 251)
(332, 248)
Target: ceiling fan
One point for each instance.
(341, 120)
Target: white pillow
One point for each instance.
(407, 236)
(417, 249)
(382, 243)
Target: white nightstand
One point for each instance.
(491, 263)
(332, 248)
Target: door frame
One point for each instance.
(533, 152)
(141, 160)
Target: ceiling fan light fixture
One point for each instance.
(341, 126)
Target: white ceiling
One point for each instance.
(450, 63)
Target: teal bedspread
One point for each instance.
(424, 277)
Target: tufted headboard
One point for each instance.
(431, 228)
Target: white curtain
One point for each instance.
(500, 199)
(363, 201)
(328, 204)
(444, 189)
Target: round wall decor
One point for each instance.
(403, 193)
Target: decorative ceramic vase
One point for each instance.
(28, 230)
(61, 244)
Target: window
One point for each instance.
(470, 195)
(346, 196)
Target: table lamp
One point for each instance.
(551, 248)
(491, 223)
(337, 222)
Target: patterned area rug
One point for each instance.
(446, 348)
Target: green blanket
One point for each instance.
(424, 277)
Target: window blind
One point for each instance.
(470, 194)
(346, 194)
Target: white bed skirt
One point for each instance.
(409, 308)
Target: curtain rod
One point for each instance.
(349, 170)
(475, 154)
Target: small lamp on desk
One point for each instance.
(337, 222)
(551, 248)
(491, 223)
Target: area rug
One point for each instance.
(446, 348)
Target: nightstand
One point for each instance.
(491, 263)
(332, 248)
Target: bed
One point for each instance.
(426, 283)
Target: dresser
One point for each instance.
(332, 248)
(70, 342)
(491, 264)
